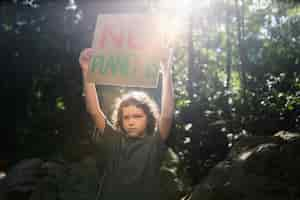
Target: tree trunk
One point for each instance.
(228, 50)
(191, 56)
(241, 46)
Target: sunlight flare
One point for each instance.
(175, 15)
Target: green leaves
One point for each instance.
(60, 105)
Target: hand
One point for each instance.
(166, 61)
(84, 58)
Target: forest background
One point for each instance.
(236, 73)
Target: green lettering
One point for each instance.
(124, 65)
(116, 64)
(97, 62)
(133, 67)
(112, 63)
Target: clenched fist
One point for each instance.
(85, 58)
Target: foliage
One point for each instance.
(239, 77)
(262, 96)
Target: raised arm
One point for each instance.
(167, 99)
(90, 94)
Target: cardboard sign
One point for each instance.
(129, 49)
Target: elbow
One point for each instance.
(93, 113)
(166, 117)
(168, 113)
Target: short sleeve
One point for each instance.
(98, 135)
(161, 147)
(104, 143)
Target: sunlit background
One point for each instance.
(234, 43)
(235, 70)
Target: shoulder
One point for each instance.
(108, 133)
(158, 142)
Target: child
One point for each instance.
(134, 145)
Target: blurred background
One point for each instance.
(236, 73)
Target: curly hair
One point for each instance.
(140, 100)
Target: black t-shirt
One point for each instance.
(131, 165)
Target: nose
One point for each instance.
(131, 121)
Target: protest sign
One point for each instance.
(129, 49)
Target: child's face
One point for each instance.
(134, 121)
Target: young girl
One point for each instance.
(134, 144)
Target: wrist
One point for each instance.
(84, 73)
(85, 79)
(166, 72)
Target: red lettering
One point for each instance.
(133, 42)
(108, 31)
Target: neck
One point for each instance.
(141, 135)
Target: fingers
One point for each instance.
(167, 56)
(89, 52)
(85, 57)
(166, 60)
(86, 54)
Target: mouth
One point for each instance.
(131, 129)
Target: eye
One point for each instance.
(137, 116)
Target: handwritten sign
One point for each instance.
(129, 49)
